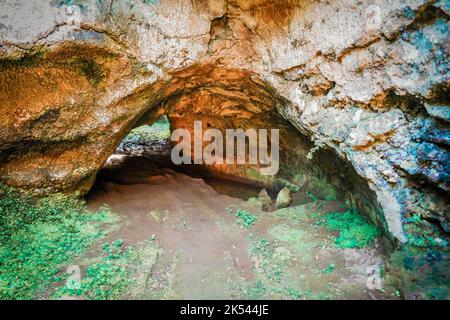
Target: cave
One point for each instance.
(339, 189)
(246, 102)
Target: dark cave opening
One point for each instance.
(321, 175)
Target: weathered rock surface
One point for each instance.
(368, 80)
(265, 199)
(284, 198)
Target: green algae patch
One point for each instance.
(329, 268)
(420, 234)
(285, 183)
(270, 271)
(245, 219)
(106, 279)
(120, 271)
(277, 276)
(39, 237)
(354, 231)
(160, 130)
(419, 273)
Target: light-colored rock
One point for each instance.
(283, 198)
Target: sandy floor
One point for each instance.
(204, 252)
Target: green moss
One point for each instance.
(294, 294)
(312, 196)
(120, 272)
(329, 268)
(273, 274)
(420, 272)
(262, 248)
(37, 238)
(157, 131)
(420, 234)
(271, 267)
(245, 219)
(107, 279)
(354, 231)
(291, 186)
(254, 291)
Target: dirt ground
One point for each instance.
(201, 250)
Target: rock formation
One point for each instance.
(284, 198)
(366, 81)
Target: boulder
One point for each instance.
(265, 199)
(284, 198)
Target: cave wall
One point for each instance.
(367, 79)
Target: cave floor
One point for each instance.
(191, 245)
